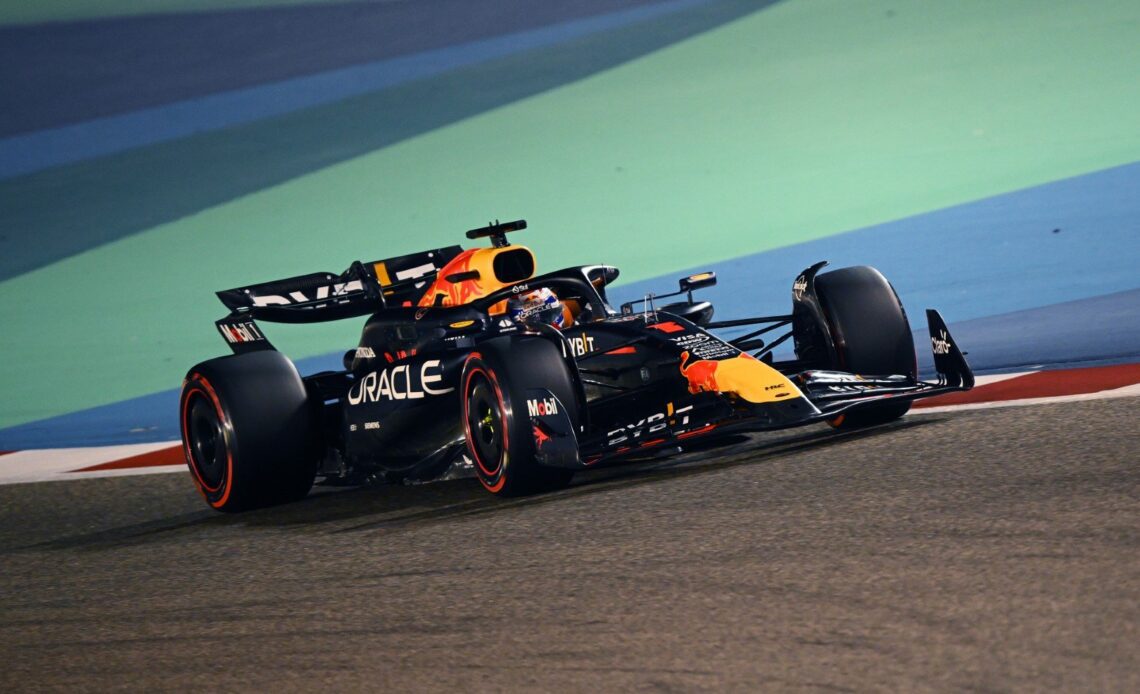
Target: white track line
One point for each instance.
(998, 378)
(46, 464)
(1124, 392)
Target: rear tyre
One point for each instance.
(871, 333)
(249, 432)
(499, 437)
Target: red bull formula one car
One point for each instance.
(467, 353)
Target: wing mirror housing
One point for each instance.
(697, 281)
(601, 275)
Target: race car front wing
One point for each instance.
(826, 396)
(835, 392)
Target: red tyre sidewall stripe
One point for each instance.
(498, 471)
(467, 420)
(199, 384)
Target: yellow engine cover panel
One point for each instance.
(480, 260)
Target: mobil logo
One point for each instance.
(237, 333)
(540, 407)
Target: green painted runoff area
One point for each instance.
(36, 11)
(795, 123)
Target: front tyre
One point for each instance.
(499, 435)
(871, 333)
(249, 432)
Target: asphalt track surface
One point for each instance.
(983, 550)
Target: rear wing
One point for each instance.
(362, 289)
(323, 296)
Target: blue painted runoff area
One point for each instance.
(1087, 332)
(1062, 241)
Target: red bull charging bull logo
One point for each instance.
(742, 375)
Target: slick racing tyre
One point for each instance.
(871, 333)
(499, 435)
(249, 432)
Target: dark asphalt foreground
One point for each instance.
(984, 550)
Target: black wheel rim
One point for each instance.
(485, 422)
(207, 441)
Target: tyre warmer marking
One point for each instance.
(205, 489)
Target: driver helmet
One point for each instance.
(539, 306)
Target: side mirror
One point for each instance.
(701, 279)
(602, 275)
